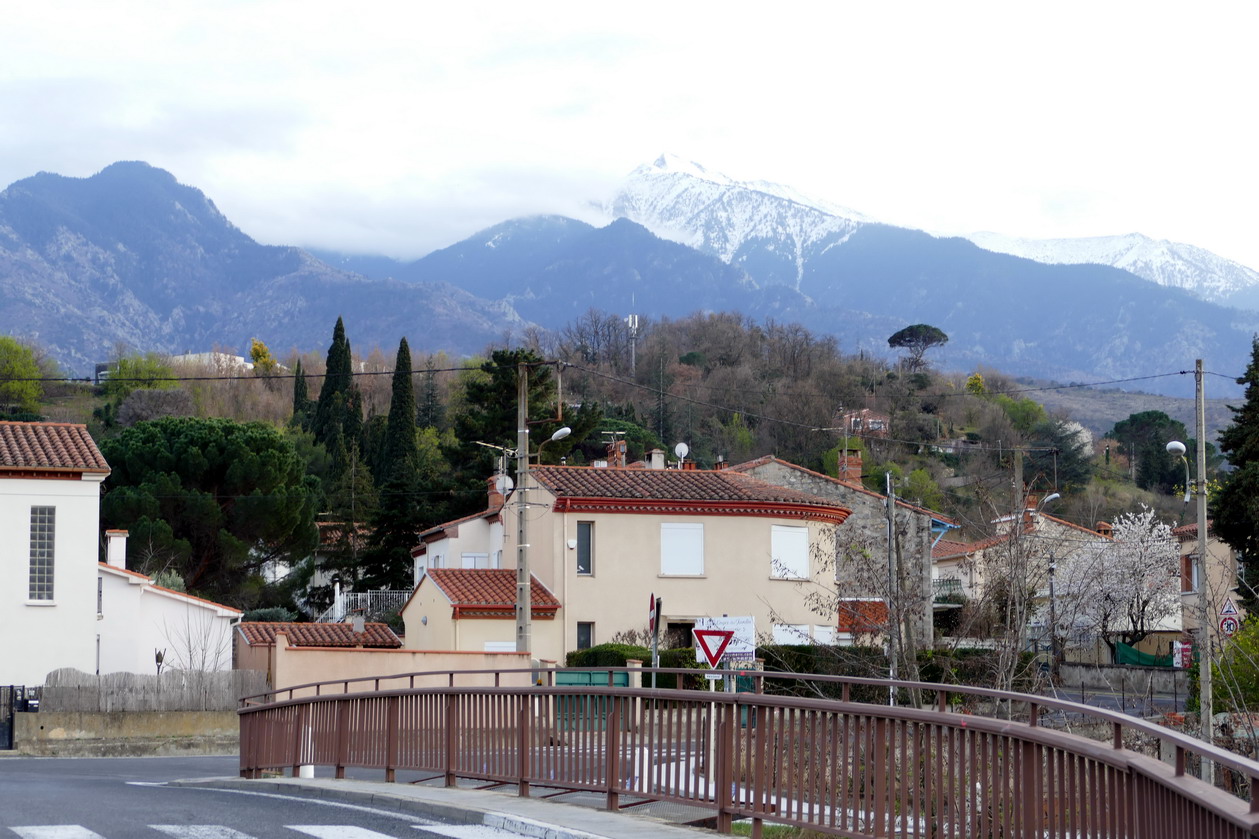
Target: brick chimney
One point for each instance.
(850, 466)
(116, 549)
(495, 496)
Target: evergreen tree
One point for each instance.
(430, 412)
(1236, 504)
(302, 406)
(400, 515)
(330, 411)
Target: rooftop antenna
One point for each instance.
(632, 322)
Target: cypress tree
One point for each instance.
(330, 411)
(301, 399)
(399, 516)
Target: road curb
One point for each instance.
(520, 816)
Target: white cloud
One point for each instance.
(402, 127)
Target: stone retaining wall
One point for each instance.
(126, 733)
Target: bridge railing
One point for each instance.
(837, 766)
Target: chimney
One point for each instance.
(116, 549)
(655, 459)
(721, 463)
(496, 497)
(359, 623)
(850, 466)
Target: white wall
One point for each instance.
(137, 619)
(42, 636)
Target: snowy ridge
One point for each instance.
(683, 201)
(1173, 264)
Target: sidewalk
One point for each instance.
(506, 811)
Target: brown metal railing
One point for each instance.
(833, 765)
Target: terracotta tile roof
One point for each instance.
(950, 548)
(487, 592)
(257, 633)
(1190, 531)
(674, 490)
(49, 447)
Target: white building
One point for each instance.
(50, 482)
(137, 620)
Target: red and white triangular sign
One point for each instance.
(1228, 608)
(712, 643)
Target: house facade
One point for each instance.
(50, 484)
(603, 540)
(917, 531)
(138, 622)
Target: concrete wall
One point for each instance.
(116, 734)
(1136, 681)
(304, 665)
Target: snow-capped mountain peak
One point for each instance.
(1167, 263)
(735, 220)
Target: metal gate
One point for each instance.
(8, 700)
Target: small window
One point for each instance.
(787, 634)
(681, 549)
(585, 635)
(100, 597)
(790, 551)
(474, 560)
(43, 539)
(585, 547)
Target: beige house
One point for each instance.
(1222, 600)
(603, 540)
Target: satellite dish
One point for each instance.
(680, 450)
(503, 484)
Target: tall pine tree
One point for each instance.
(400, 514)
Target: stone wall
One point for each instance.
(1122, 678)
(126, 733)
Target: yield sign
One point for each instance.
(712, 643)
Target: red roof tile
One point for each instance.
(485, 590)
(718, 491)
(49, 447)
(258, 633)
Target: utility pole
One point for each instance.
(1205, 612)
(524, 593)
(893, 646)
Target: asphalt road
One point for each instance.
(115, 798)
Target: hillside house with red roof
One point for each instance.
(918, 530)
(603, 540)
(50, 484)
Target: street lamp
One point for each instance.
(1178, 449)
(524, 584)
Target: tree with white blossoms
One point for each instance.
(1123, 590)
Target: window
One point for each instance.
(787, 634)
(43, 533)
(474, 560)
(100, 597)
(1189, 573)
(585, 635)
(790, 553)
(585, 547)
(681, 549)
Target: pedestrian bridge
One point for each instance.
(794, 749)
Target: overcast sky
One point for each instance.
(402, 127)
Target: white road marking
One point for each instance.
(469, 831)
(200, 831)
(55, 831)
(337, 831)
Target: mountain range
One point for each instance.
(131, 257)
